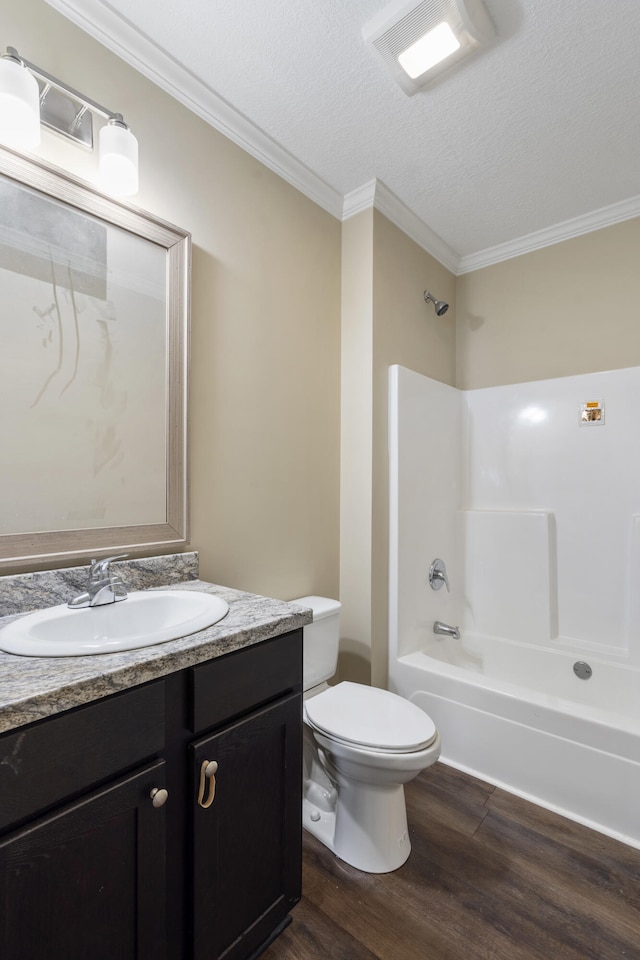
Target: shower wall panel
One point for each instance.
(427, 439)
(530, 493)
(568, 447)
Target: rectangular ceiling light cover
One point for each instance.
(404, 29)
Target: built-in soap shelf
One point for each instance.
(507, 583)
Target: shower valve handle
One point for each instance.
(438, 575)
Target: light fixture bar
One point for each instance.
(35, 97)
(62, 108)
(65, 116)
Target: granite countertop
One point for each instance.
(32, 688)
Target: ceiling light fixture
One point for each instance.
(429, 50)
(419, 41)
(30, 96)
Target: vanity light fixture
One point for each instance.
(30, 96)
(419, 41)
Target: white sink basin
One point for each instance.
(143, 619)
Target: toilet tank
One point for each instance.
(320, 640)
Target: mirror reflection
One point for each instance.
(86, 383)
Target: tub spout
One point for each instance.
(446, 630)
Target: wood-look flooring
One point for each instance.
(490, 877)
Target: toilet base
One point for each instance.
(366, 827)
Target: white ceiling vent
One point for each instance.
(419, 41)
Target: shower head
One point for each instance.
(440, 306)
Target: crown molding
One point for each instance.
(362, 198)
(395, 210)
(119, 35)
(596, 220)
(376, 194)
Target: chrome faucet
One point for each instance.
(102, 586)
(446, 630)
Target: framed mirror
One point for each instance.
(93, 371)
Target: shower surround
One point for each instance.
(530, 493)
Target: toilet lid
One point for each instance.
(370, 717)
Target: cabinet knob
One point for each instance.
(159, 796)
(208, 770)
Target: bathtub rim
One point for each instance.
(600, 729)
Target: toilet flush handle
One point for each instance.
(438, 575)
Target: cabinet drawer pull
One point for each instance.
(159, 797)
(208, 772)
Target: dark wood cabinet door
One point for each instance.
(247, 844)
(87, 882)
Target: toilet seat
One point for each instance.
(364, 716)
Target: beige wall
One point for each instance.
(385, 321)
(566, 309)
(356, 448)
(264, 425)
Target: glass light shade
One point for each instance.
(118, 160)
(19, 106)
(429, 50)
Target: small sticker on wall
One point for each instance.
(592, 413)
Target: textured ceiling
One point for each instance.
(541, 128)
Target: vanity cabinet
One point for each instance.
(97, 861)
(87, 880)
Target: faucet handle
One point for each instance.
(100, 569)
(438, 575)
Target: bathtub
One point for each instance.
(574, 749)
(486, 480)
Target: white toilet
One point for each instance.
(361, 744)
